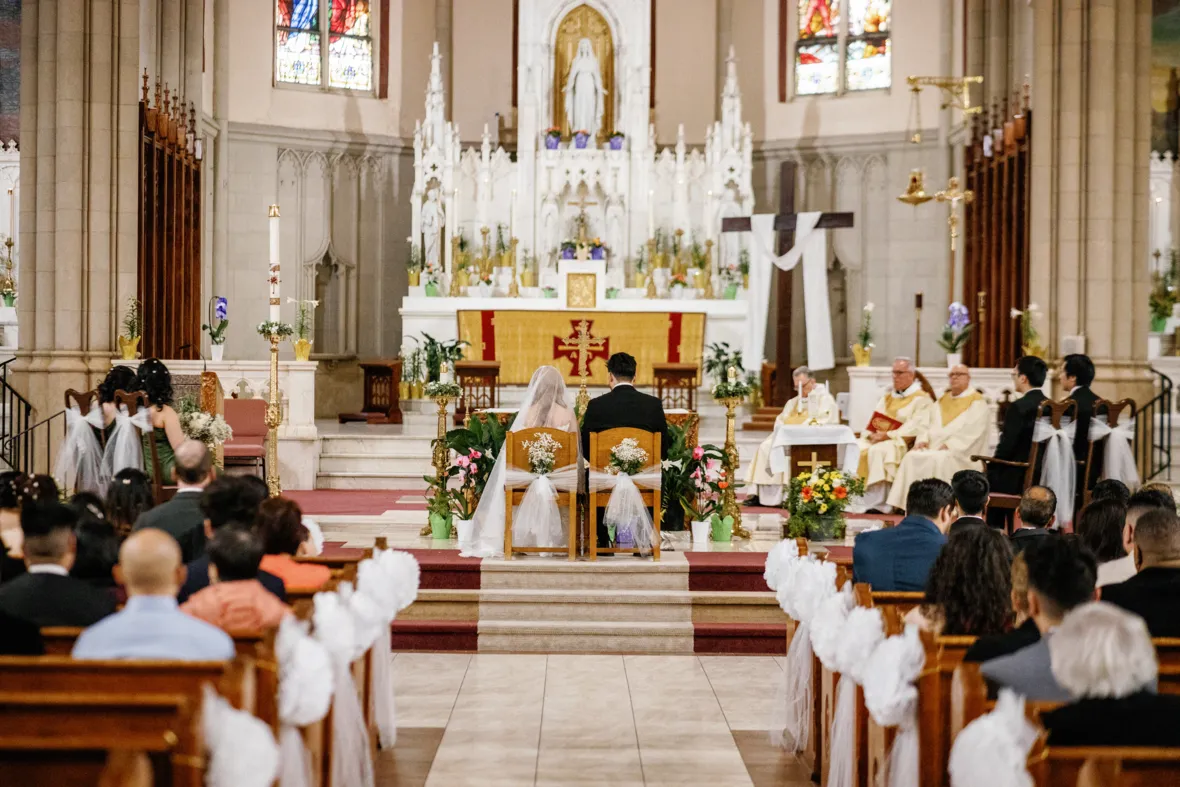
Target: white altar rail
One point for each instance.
(299, 445)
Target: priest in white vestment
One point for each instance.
(813, 405)
(881, 452)
(958, 430)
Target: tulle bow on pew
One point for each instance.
(537, 522)
(625, 510)
(125, 445)
(891, 698)
(242, 750)
(992, 751)
(305, 694)
(1118, 458)
(1059, 469)
(336, 629)
(79, 463)
(862, 632)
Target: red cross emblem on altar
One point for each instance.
(580, 347)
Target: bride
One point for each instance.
(543, 406)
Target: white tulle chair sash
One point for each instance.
(1059, 469)
(79, 463)
(336, 629)
(891, 698)
(242, 749)
(125, 445)
(862, 632)
(783, 552)
(1118, 457)
(305, 694)
(992, 751)
(625, 510)
(537, 521)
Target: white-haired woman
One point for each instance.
(1103, 656)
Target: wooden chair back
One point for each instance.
(135, 401)
(926, 386)
(1110, 766)
(1111, 412)
(943, 655)
(601, 444)
(84, 399)
(516, 455)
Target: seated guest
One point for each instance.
(235, 600)
(957, 429)
(1104, 659)
(98, 543)
(229, 499)
(1034, 517)
(151, 626)
(1061, 575)
(1154, 592)
(1024, 631)
(1100, 527)
(12, 562)
(1163, 493)
(1076, 375)
(156, 383)
(129, 496)
(1017, 433)
(971, 491)
(881, 452)
(181, 516)
(900, 557)
(1110, 489)
(284, 537)
(969, 589)
(119, 378)
(19, 637)
(47, 595)
(799, 410)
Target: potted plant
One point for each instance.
(304, 325)
(862, 351)
(744, 267)
(502, 247)
(731, 277)
(1161, 300)
(1030, 338)
(483, 285)
(639, 277)
(8, 292)
(678, 286)
(436, 353)
(549, 292)
(597, 249)
(552, 138)
(616, 140)
(414, 263)
(719, 359)
(816, 503)
(528, 270)
(580, 139)
(132, 330)
(438, 507)
(208, 428)
(431, 288)
(706, 482)
(417, 367)
(569, 249)
(218, 322)
(955, 334)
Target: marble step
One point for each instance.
(635, 606)
(363, 463)
(370, 480)
(506, 636)
(377, 444)
(605, 574)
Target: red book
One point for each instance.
(879, 422)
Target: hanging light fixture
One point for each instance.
(915, 194)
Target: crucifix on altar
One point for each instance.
(583, 222)
(582, 280)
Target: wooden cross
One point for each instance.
(815, 464)
(784, 224)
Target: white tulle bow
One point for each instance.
(782, 552)
(537, 522)
(992, 751)
(862, 632)
(317, 535)
(1118, 458)
(125, 445)
(79, 460)
(1059, 469)
(828, 623)
(336, 629)
(305, 694)
(242, 750)
(625, 509)
(891, 697)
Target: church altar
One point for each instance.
(788, 436)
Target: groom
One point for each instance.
(623, 407)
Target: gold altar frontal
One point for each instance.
(525, 340)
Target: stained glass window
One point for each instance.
(817, 59)
(869, 50)
(300, 57)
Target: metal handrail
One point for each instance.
(15, 414)
(23, 445)
(1153, 431)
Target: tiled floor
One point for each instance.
(491, 719)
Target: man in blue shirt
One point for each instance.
(151, 626)
(900, 557)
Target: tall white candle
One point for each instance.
(455, 214)
(512, 216)
(708, 223)
(651, 214)
(274, 276)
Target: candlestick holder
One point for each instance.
(709, 270)
(274, 418)
(455, 290)
(439, 455)
(651, 268)
(729, 505)
(513, 287)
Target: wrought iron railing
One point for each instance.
(33, 449)
(16, 413)
(1153, 431)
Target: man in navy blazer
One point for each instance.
(900, 557)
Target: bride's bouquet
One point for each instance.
(542, 453)
(627, 457)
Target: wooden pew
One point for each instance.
(1119, 766)
(825, 697)
(943, 655)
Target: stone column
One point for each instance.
(996, 83)
(79, 130)
(444, 11)
(1091, 156)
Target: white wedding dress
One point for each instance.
(544, 405)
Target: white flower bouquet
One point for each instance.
(627, 457)
(208, 429)
(542, 453)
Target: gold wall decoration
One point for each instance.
(581, 291)
(583, 22)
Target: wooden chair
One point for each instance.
(943, 655)
(1113, 411)
(134, 401)
(1057, 412)
(601, 444)
(247, 418)
(516, 456)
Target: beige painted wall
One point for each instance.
(253, 98)
(481, 64)
(417, 44)
(686, 69)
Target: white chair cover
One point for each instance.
(800, 594)
(305, 694)
(316, 533)
(828, 623)
(625, 510)
(125, 445)
(336, 629)
(537, 521)
(787, 549)
(242, 750)
(1118, 458)
(992, 751)
(892, 700)
(79, 460)
(1059, 469)
(863, 631)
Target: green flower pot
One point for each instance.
(1158, 324)
(9, 300)
(730, 293)
(431, 290)
(440, 527)
(722, 530)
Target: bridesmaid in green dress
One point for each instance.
(156, 382)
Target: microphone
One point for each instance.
(191, 346)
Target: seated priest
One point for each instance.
(883, 444)
(957, 430)
(812, 405)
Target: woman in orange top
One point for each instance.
(284, 536)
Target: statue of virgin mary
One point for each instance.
(585, 96)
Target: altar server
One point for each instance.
(813, 405)
(882, 449)
(957, 430)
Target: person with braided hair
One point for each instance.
(156, 382)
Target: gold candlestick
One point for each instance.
(513, 287)
(455, 290)
(651, 269)
(709, 269)
(981, 334)
(729, 505)
(917, 329)
(439, 456)
(274, 418)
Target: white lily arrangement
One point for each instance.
(542, 453)
(627, 457)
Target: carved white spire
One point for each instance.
(436, 102)
(731, 106)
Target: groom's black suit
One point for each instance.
(623, 406)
